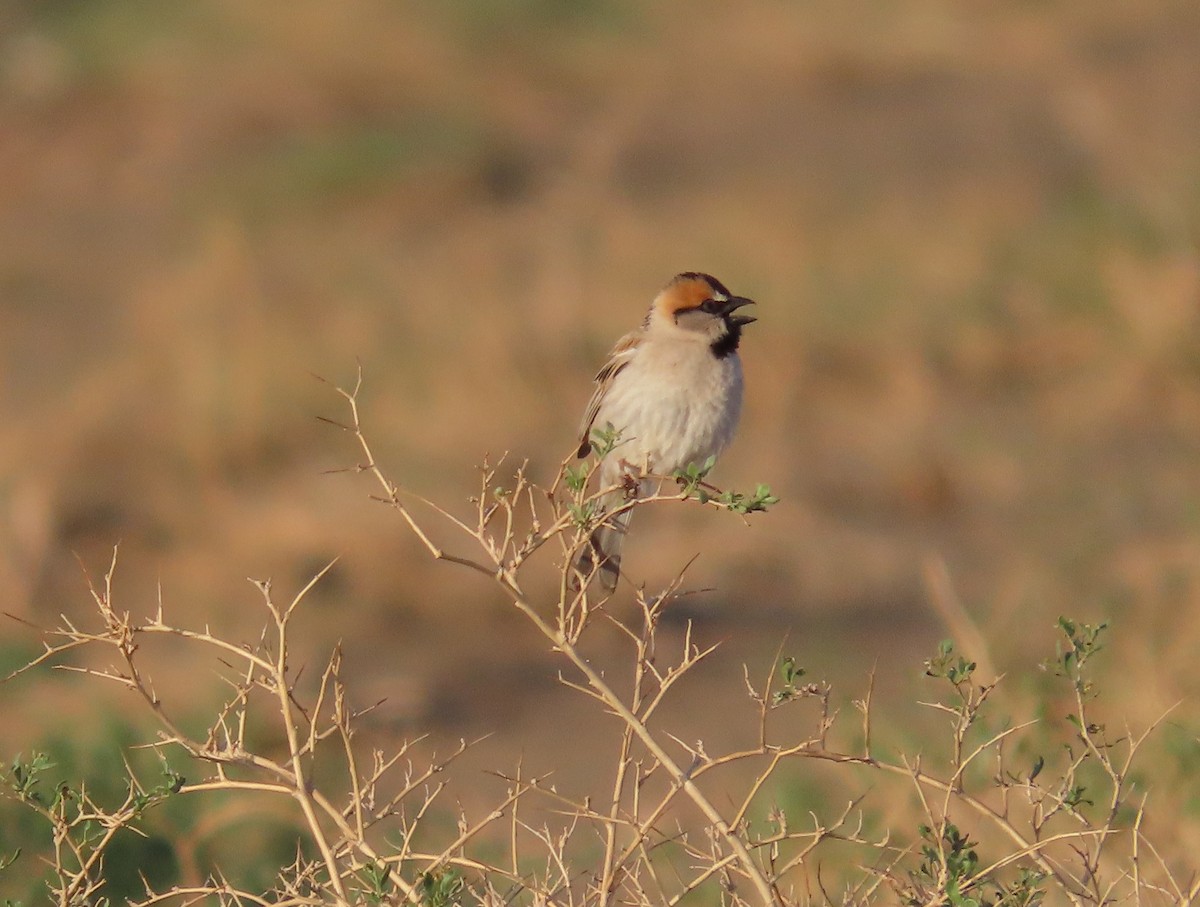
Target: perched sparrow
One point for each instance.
(672, 391)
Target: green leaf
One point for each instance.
(1038, 764)
(604, 440)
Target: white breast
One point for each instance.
(673, 404)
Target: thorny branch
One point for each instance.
(745, 849)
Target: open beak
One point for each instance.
(732, 304)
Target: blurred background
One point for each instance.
(975, 382)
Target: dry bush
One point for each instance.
(989, 824)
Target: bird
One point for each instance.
(670, 393)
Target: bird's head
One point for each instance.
(699, 306)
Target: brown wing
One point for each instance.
(617, 360)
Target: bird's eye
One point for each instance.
(709, 306)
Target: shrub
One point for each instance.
(996, 814)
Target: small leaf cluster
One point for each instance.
(950, 866)
(950, 861)
(441, 888)
(691, 479)
(172, 783)
(604, 440)
(81, 826)
(575, 477)
(378, 882)
(789, 673)
(949, 665)
(760, 500)
(24, 776)
(1072, 653)
(1073, 797)
(583, 514)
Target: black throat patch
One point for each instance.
(729, 343)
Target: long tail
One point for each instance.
(601, 555)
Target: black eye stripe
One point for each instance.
(710, 306)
